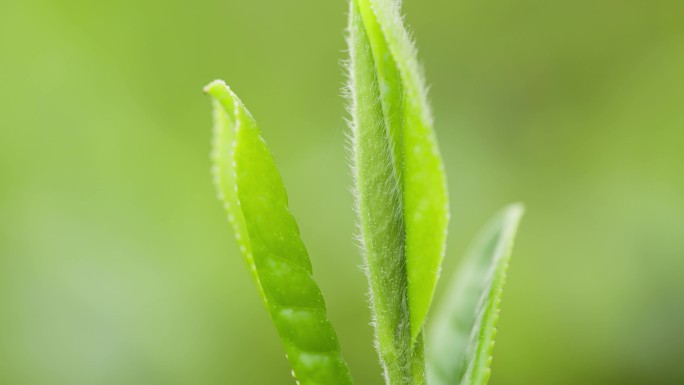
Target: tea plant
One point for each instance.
(402, 206)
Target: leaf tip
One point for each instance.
(215, 86)
(515, 211)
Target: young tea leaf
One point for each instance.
(379, 203)
(420, 171)
(254, 196)
(400, 184)
(462, 336)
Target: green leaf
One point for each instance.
(254, 196)
(409, 134)
(462, 336)
(420, 168)
(400, 185)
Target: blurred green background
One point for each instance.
(117, 266)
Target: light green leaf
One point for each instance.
(420, 171)
(462, 337)
(409, 134)
(254, 195)
(379, 203)
(400, 183)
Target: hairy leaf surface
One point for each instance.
(415, 158)
(254, 196)
(462, 337)
(420, 171)
(400, 183)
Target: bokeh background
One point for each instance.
(117, 266)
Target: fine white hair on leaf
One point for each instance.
(400, 189)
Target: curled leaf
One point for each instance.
(419, 166)
(253, 193)
(400, 184)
